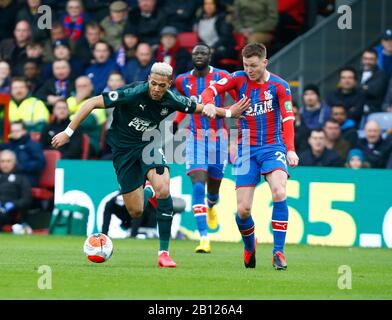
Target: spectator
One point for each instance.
(348, 94)
(314, 112)
(170, 52)
(30, 13)
(334, 140)
(14, 49)
(291, 21)
(127, 49)
(181, 14)
(72, 149)
(374, 147)
(60, 86)
(97, 9)
(25, 107)
(356, 159)
(139, 68)
(57, 33)
(387, 104)
(62, 51)
(74, 21)
(93, 124)
(15, 190)
(35, 51)
(384, 53)
(84, 47)
(147, 20)
(214, 30)
(32, 75)
(374, 82)
(115, 81)
(5, 77)
(8, 12)
(318, 154)
(347, 126)
(114, 24)
(29, 155)
(58, 7)
(99, 71)
(301, 131)
(257, 20)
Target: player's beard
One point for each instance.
(200, 67)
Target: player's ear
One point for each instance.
(170, 83)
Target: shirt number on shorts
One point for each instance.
(280, 156)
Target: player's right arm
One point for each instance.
(223, 85)
(63, 137)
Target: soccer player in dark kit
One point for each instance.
(138, 108)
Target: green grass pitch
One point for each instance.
(131, 273)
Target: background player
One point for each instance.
(140, 108)
(261, 146)
(206, 144)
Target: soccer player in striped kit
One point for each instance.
(206, 145)
(265, 146)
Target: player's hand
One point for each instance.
(239, 107)
(209, 111)
(59, 140)
(292, 159)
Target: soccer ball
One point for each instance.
(98, 247)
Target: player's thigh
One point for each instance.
(160, 181)
(245, 200)
(195, 155)
(213, 185)
(246, 171)
(277, 181)
(134, 202)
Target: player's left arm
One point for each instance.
(286, 110)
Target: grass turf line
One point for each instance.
(131, 273)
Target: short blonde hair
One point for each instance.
(163, 69)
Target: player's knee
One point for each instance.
(162, 191)
(244, 210)
(134, 211)
(278, 193)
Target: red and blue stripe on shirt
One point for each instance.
(189, 85)
(270, 106)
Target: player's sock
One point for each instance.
(199, 208)
(164, 220)
(148, 194)
(200, 214)
(212, 199)
(280, 216)
(247, 230)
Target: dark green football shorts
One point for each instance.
(132, 167)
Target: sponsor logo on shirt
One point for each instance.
(141, 125)
(260, 108)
